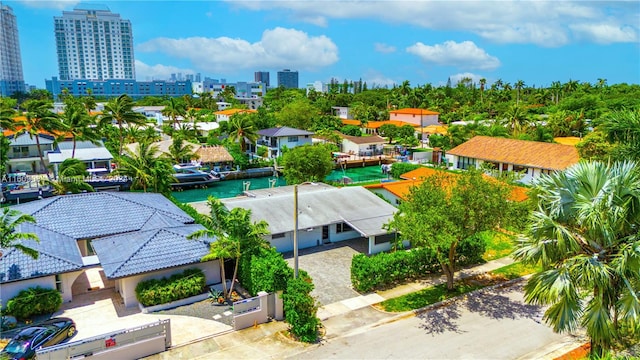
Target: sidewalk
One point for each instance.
(268, 341)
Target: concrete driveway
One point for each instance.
(330, 268)
(102, 311)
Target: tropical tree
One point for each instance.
(71, 175)
(179, 151)
(308, 163)
(40, 119)
(447, 209)
(77, 122)
(241, 130)
(10, 237)
(585, 235)
(623, 128)
(119, 111)
(234, 232)
(174, 109)
(146, 169)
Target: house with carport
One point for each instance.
(126, 237)
(326, 214)
(528, 158)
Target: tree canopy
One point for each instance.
(308, 163)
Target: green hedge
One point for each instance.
(382, 270)
(152, 292)
(300, 309)
(399, 168)
(34, 301)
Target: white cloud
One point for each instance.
(605, 33)
(146, 72)
(50, 4)
(455, 78)
(278, 48)
(450, 53)
(384, 48)
(545, 23)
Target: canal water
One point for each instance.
(231, 188)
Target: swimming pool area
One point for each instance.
(231, 188)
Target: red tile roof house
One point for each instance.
(418, 117)
(531, 158)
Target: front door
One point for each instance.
(325, 234)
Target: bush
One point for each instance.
(400, 168)
(300, 309)
(382, 270)
(34, 301)
(266, 270)
(152, 292)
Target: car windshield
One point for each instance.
(16, 346)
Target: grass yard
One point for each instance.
(516, 270)
(499, 245)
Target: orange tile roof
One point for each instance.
(435, 129)
(520, 152)
(518, 193)
(376, 124)
(19, 129)
(414, 111)
(351, 122)
(233, 111)
(569, 140)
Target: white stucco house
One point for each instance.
(129, 237)
(371, 145)
(418, 117)
(326, 214)
(529, 158)
(274, 139)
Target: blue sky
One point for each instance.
(382, 41)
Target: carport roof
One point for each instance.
(365, 211)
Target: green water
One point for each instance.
(231, 188)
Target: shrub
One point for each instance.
(34, 301)
(382, 270)
(266, 270)
(152, 292)
(400, 168)
(300, 309)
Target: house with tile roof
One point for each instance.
(397, 191)
(225, 115)
(418, 117)
(372, 127)
(129, 237)
(274, 139)
(529, 158)
(326, 214)
(372, 145)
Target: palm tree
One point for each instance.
(39, 119)
(517, 119)
(6, 118)
(72, 173)
(234, 231)
(241, 129)
(518, 85)
(180, 152)
(79, 124)
(174, 109)
(10, 237)
(120, 111)
(623, 128)
(584, 233)
(138, 165)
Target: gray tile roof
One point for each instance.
(24, 140)
(85, 151)
(57, 254)
(323, 206)
(283, 131)
(143, 251)
(138, 232)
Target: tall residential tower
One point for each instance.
(94, 44)
(11, 77)
(288, 79)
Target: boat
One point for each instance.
(190, 176)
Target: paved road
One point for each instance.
(493, 324)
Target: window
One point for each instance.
(343, 227)
(293, 139)
(465, 162)
(277, 236)
(59, 283)
(520, 169)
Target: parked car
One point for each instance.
(32, 338)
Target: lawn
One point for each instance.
(435, 294)
(499, 244)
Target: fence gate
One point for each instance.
(132, 343)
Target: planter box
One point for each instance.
(186, 301)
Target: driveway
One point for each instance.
(102, 311)
(330, 268)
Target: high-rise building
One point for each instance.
(11, 77)
(288, 79)
(262, 76)
(94, 43)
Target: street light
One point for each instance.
(295, 227)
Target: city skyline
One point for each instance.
(11, 76)
(381, 42)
